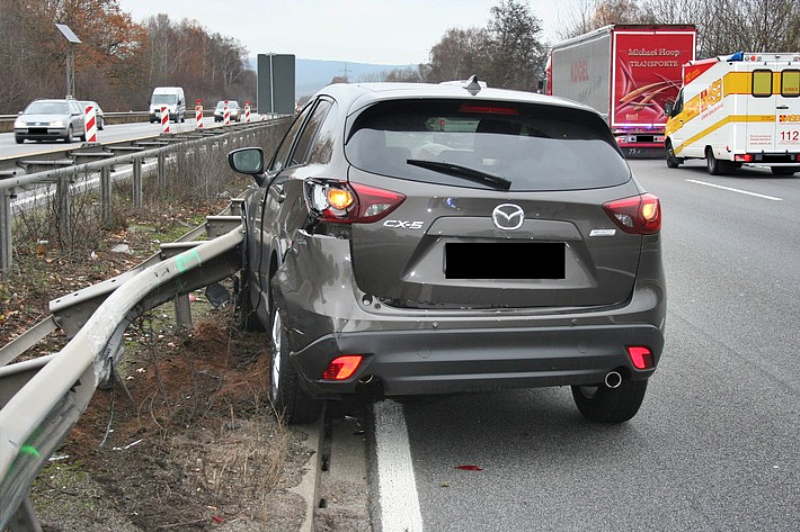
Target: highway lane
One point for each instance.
(715, 446)
(111, 133)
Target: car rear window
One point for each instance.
(535, 147)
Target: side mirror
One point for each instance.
(248, 161)
(669, 107)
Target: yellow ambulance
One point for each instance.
(737, 109)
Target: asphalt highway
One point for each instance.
(716, 445)
(111, 133)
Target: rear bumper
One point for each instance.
(447, 361)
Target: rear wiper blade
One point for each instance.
(463, 171)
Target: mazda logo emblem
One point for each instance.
(508, 216)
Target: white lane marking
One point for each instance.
(397, 486)
(756, 194)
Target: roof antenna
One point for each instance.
(472, 85)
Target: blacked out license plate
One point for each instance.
(512, 260)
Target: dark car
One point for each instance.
(50, 120)
(412, 239)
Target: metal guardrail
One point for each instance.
(102, 159)
(123, 114)
(41, 399)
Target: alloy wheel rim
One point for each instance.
(276, 355)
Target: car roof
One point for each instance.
(355, 96)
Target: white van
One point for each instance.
(173, 98)
(738, 109)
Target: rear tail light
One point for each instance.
(641, 356)
(797, 157)
(637, 215)
(342, 368)
(487, 109)
(347, 203)
(745, 158)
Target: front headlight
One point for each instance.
(57, 123)
(20, 123)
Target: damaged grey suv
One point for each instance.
(410, 239)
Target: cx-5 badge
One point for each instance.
(508, 216)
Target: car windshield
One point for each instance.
(164, 98)
(534, 147)
(47, 108)
(231, 103)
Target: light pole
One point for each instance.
(72, 40)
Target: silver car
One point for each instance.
(101, 119)
(233, 107)
(50, 120)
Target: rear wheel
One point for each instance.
(100, 124)
(601, 404)
(290, 401)
(19, 140)
(784, 170)
(672, 160)
(715, 166)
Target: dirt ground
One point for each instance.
(195, 446)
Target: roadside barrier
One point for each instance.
(164, 120)
(90, 123)
(198, 113)
(226, 115)
(247, 112)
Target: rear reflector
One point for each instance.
(640, 356)
(342, 368)
(745, 158)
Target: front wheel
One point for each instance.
(68, 137)
(290, 401)
(672, 160)
(784, 170)
(601, 404)
(19, 140)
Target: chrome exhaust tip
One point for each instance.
(613, 379)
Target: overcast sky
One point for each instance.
(369, 31)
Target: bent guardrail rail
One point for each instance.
(42, 398)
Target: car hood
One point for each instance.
(44, 118)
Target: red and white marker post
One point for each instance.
(226, 115)
(198, 113)
(247, 112)
(165, 120)
(90, 123)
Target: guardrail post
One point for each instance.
(63, 206)
(183, 311)
(5, 231)
(25, 518)
(105, 195)
(137, 183)
(162, 170)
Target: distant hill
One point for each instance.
(313, 74)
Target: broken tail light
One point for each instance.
(637, 215)
(348, 203)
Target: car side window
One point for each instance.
(678, 107)
(278, 162)
(322, 147)
(304, 142)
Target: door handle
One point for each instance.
(782, 107)
(279, 193)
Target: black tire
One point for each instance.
(601, 404)
(19, 140)
(68, 138)
(291, 402)
(100, 124)
(246, 316)
(717, 167)
(672, 160)
(784, 170)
